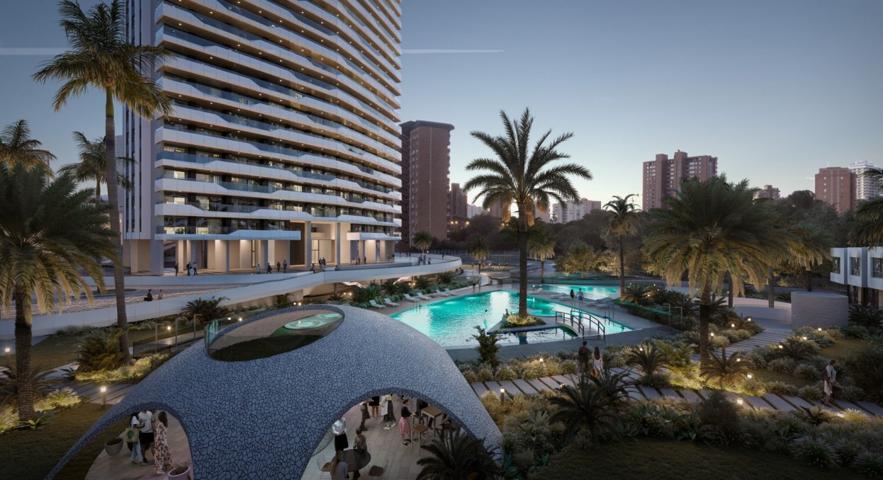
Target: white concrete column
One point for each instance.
(157, 257)
(338, 244)
(225, 245)
(264, 255)
(308, 244)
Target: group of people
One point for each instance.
(190, 268)
(149, 431)
(280, 267)
(424, 260)
(590, 362)
(577, 295)
(359, 261)
(149, 296)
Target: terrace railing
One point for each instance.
(579, 320)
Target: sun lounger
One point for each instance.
(389, 303)
(423, 297)
(409, 298)
(373, 304)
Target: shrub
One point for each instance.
(782, 365)
(205, 310)
(506, 373)
(807, 372)
(821, 338)
(866, 316)
(677, 354)
(870, 464)
(125, 373)
(470, 376)
(657, 380)
(810, 392)
(100, 351)
(719, 419)
(813, 451)
(855, 331)
(719, 341)
(780, 388)
(61, 398)
(865, 370)
(569, 367)
(851, 392)
(484, 373)
(726, 370)
(8, 418)
(799, 349)
(648, 357)
(814, 416)
(487, 346)
(532, 431)
(846, 451)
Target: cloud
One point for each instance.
(31, 51)
(445, 51)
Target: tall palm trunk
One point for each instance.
(730, 293)
(621, 266)
(808, 280)
(118, 275)
(98, 189)
(25, 389)
(542, 271)
(771, 290)
(522, 264)
(704, 319)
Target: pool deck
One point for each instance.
(642, 329)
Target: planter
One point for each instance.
(113, 446)
(179, 472)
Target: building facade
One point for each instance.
(663, 176)
(426, 160)
(836, 186)
(458, 216)
(573, 211)
(860, 269)
(768, 192)
(283, 143)
(866, 188)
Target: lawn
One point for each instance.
(31, 454)
(661, 460)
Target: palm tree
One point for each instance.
(457, 456)
(92, 165)
(541, 246)
(50, 234)
(18, 148)
(711, 229)
(623, 222)
(101, 57)
(202, 310)
(422, 240)
(524, 176)
(647, 356)
(725, 370)
(590, 404)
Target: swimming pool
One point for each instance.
(451, 323)
(590, 292)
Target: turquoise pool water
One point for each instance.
(590, 292)
(451, 323)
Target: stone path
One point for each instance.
(767, 337)
(769, 401)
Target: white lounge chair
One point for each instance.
(389, 303)
(446, 292)
(373, 304)
(423, 297)
(409, 298)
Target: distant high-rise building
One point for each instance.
(768, 191)
(572, 211)
(836, 187)
(457, 203)
(496, 210)
(544, 215)
(663, 176)
(473, 210)
(426, 158)
(866, 188)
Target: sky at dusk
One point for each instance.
(774, 89)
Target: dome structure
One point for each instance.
(279, 407)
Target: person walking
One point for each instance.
(132, 441)
(572, 295)
(162, 456)
(159, 295)
(365, 416)
(583, 357)
(285, 266)
(389, 417)
(829, 381)
(597, 363)
(176, 269)
(375, 406)
(405, 424)
(278, 267)
(145, 432)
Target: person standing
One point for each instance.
(572, 295)
(597, 363)
(145, 433)
(132, 439)
(285, 266)
(583, 357)
(159, 295)
(176, 269)
(341, 442)
(405, 423)
(389, 417)
(375, 406)
(829, 381)
(365, 416)
(339, 467)
(162, 456)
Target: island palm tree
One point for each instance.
(101, 57)
(541, 246)
(92, 165)
(17, 148)
(457, 455)
(422, 240)
(708, 230)
(623, 222)
(50, 234)
(524, 175)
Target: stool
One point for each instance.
(420, 429)
(375, 471)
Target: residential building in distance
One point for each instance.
(866, 188)
(572, 211)
(473, 210)
(544, 215)
(768, 192)
(497, 209)
(457, 208)
(663, 176)
(836, 187)
(426, 160)
(283, 144)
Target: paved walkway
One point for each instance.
(769, 401)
